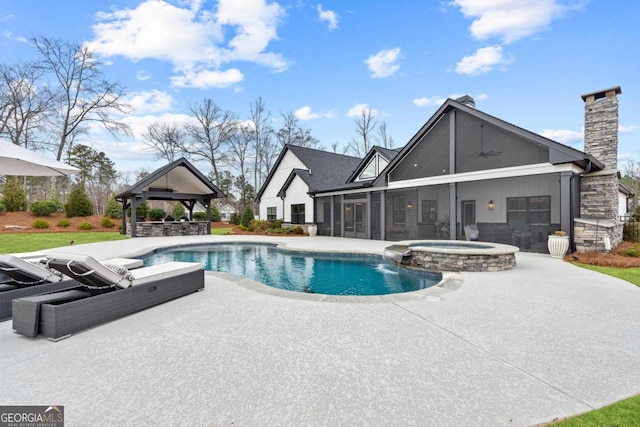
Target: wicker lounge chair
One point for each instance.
(31, 276)
(104, 295)
(24, 278)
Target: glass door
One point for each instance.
(361, 220)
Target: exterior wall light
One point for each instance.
(491, 205)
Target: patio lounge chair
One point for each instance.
(104, 294)
(26, 277)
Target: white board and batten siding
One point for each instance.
(297, 195)
(270, 197)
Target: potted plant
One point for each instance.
(558, 244)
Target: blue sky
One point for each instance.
(524, 61)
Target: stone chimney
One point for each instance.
(466, 100)
(601, 126)
(598, 226)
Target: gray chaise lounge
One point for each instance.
(104, 295)
(26, 278)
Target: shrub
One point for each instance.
(235, 219)
(259, 225)
(43, 208)
(199, 216)
(108, 222)
(85, 226)
(2, 207)
(178, 210)
(141, 211)
(277, 224)
(13, 196)
(297, 230)
(247, 216)
(113, 208)
(64, 223)
(78, 203)
(40, 223)
(156, 214)
(215, 214)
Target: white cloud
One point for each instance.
(139, 124)
(563, 136)
(628, 129)
(384, 63)
(305, 114)
(512, 20)
(483, 60)
(204, 79)
(356, 110)
(9, 35)
(192, 38)
(439, 100)
(328, 15)
(426, 102)
(151, 102)
(142, 75)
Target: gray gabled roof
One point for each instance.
(558, 153)
(325, 170)
(179, 180)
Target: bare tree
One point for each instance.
(261, 133)
(85, 96)
(365, 125)
(167, 141)
(382, 139)
(631, 177)
(292, 132)
(211, 133)
(23, 104)
(240, 142)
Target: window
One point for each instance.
(528, 211)
(429, 214)
(399, 212)
(297, 214)
(271, 214)
(373, 169)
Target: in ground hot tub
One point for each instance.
(450, 255)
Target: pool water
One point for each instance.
(313, 272)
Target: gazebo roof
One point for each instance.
(179, 180)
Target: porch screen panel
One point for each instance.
(429, 157)
(337, 216)
(323, 215)
(481, 146)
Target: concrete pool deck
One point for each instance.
(512, 348)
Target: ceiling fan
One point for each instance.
(482, 153)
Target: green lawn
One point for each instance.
(620, 414)
(629, 274)
(31, 242)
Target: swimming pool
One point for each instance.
(311, 272)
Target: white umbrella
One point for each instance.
(15, 160)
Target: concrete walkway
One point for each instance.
(513, 348)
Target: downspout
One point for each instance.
(571, 204)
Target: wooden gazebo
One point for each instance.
(178, 181)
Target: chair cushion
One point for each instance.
(34, 272)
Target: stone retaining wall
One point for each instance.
(459, 262)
